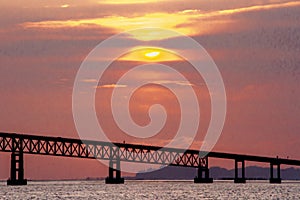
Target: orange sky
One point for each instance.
(255, 44)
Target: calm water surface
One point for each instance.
(150, 190)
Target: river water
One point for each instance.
(150, 190)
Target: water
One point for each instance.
(150, 190)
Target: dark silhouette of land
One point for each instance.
(181, 173)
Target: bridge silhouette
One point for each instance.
(20, 144)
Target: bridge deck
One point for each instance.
(20, 144)
(58, 146)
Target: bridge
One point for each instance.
(115, 153)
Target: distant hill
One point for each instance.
(182, 173)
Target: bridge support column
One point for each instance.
(17, 170)
(203, 172)
(114, 173)
(237, 179)
(277, 179)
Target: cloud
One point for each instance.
(111, 86)
(180, 83)
(257, 8)
(118, 2)
(104, 85)
(90, 80)
(65, 6)
(182, 21)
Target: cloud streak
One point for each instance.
(180, 83)
(179, 21)
(112, 86)
(118, 2)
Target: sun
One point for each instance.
(152, 54)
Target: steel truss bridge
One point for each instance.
(115, 153)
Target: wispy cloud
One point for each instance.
(89, 80)
(257, 8)
(65, 6)
(118, 2)
(111, 86)
(178, 21)
(180, 83)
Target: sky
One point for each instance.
(255, 45)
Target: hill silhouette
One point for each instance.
(182, 173)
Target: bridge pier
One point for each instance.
(114, 173)
(203, 172)
(277, 179)
(237, 179)
(17, 170)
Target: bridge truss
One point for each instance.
(115, 153)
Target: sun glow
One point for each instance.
(152, 54)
